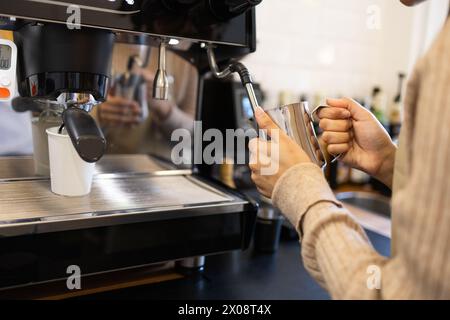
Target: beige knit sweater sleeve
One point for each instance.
(335, 249)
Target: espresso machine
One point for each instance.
(141, 210)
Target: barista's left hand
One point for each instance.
(269, 160)
(117, 111)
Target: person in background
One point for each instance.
(121, 117)
(335, 249)
(15, 132)
(15, 127)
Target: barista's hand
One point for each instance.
(161, 108)
(117, 111)
(351, 129)
(270, 159)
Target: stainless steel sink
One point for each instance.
(368, 201)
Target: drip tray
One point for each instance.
(139, 212)
(126, 189)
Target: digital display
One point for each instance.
(5, 57)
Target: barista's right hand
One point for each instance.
(352, 130)
(117, 111)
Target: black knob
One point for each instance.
(228, 9)
(179, 5)
(210, 12)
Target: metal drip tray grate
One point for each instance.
(25, 200)
(135, 192)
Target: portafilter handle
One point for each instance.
(24, 104)
(86, 136)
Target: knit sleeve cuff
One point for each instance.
(299, 189)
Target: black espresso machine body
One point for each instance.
(140, 219)
(67, 46)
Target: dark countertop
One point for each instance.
(243, 275)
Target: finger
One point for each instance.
(135, 107)
(114, 110)
(338, 103)
(114, 118)
(260, 147)
(120, 118)
(252, 159)
(331, 137)
(255, 178)
(266, 123)
(120, 109)
(333, 113)
(261, 185)
(254, 167)
(122, 102)
(253, 145)
(113, 100)
(259, 161)
(357, 111)
(335, 149)
(264, 192)
(335, 125)
(264, 161)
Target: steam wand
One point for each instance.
(243, 73)
(237, 67)
(247, 82)
(161, 82)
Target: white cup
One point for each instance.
(69, 174)
(40, 145)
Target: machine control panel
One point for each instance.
(8, 63)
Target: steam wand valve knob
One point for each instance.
(161, 82)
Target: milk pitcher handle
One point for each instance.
(314, 118)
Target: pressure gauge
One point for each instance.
(8, 63)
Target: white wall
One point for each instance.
(337, 47)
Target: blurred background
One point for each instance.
(309, 50)
(334, 48)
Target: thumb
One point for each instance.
(266, 123)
